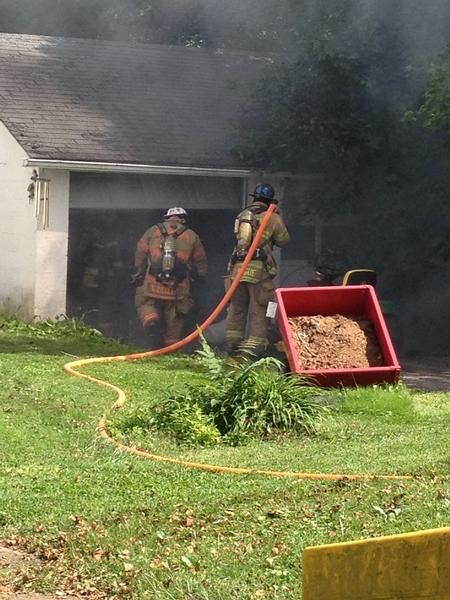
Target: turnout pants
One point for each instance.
(247, 311)
(170, 314)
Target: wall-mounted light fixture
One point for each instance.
(38, 192)
(31, 187)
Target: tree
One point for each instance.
(326, 110)
(337, 109)
(434, 112)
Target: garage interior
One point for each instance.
(109, 213)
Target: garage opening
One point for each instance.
(102, 242)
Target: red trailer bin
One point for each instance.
(355, 301)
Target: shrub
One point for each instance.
(258, 399)
(238, 401)
(182, 417)
(247, 399)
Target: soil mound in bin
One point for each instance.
(335, 342)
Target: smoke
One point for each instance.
(394, 42)
(262, 25)
(422, 319)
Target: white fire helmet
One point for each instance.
(176, 211)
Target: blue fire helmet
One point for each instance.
(264, 191)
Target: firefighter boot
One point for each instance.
(153, 334)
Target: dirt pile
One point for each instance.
(335, 342)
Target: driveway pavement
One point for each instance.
(426, 373)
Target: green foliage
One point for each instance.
(323, 109)
(236, 402)
(258, 399)
(334, 109)
(102, 523)
(434, 113)
(181, 416)
(241, 400)
(314, 112)
(59, 327)
(215, 366)
(60, 336)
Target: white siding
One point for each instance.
(17, 227)
(33, 263)
(51, 250)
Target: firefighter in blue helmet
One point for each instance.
(247, 324)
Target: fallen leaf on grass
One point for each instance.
(98, 554)
(156, 563)
(187, 561)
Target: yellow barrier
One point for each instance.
(409, 566)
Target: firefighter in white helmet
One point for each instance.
(168, 256)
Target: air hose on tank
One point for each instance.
(72, 369)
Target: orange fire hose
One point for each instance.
(71, 369)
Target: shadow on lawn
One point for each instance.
(75, 347)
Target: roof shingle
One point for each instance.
(89, 100)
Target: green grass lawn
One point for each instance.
(114, 526)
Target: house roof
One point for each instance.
(89, 100)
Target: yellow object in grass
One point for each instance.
(398, 567)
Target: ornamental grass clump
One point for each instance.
(258, 399)
(241, 400)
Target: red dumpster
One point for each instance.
(355, 301)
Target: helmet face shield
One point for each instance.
(176, 211)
